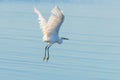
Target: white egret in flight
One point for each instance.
(50, 28)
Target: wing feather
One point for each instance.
(51, 28)
(55, 21)
(41, 19)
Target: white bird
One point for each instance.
(50, 28)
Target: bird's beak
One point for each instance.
(65, 38)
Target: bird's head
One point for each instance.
(61, 40)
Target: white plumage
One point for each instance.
(50, 28)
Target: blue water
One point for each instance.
(92, 53)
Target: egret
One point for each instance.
(50, 28)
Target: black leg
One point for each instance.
(48, 51)
(46, 56)
(45, 52)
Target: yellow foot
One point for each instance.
(45, 58)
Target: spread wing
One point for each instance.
(41, 19)
(53, 25)
(55, 21)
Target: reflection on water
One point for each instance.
(92, 53)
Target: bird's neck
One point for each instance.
(60, 41)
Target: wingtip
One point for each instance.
(35, 9)
(56, 7)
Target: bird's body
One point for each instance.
(50, 28)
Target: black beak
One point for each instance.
(65, 38)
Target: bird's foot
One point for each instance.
(45, 58)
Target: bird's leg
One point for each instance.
(46, 57)
(48, 51)
(45, 52)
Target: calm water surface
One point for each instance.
(92, 53)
